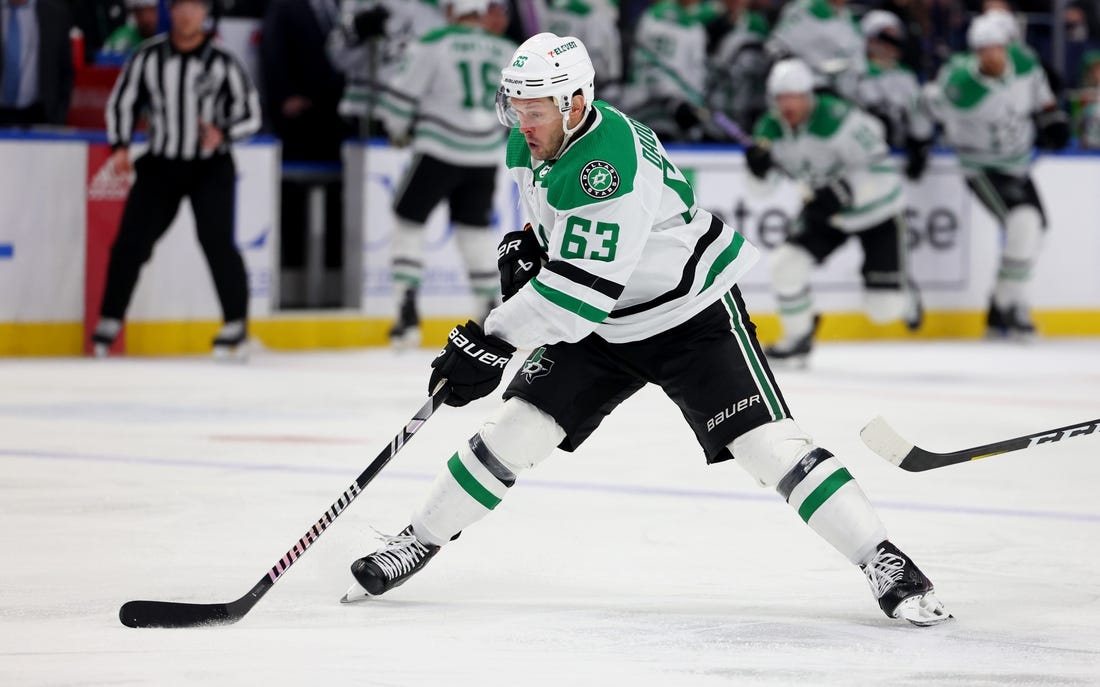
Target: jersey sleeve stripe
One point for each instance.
(723, 260)
(688, 278)
(587, 279)
(570, 303)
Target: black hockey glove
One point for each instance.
(472, 362)
(519, 259)
(916, 153)
(686, 116)
(758, 158)
(370, 23)
(1053, 129)
(826, 202)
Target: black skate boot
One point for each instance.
(902, 589)
(915, 317)
(400, 557)
(793, 353)
(405, 332)
(1012, 322)
(106, 331)
(230, 343)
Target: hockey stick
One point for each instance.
(174, 614)
(881, 438)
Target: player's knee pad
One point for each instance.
(1023, 233)
(791, 267)
(885, 305)
(519, 435)
(769, 451)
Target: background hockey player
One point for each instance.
(669, 69)
(369, 44)
(638, 286)
(595, 23)
(891, 92)
(839, 153)
(441, 100)
(739, 64)
(996, 105)
(824, 35)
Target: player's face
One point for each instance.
(794, 108)
(188, 17)
(541, 126)
(992, 60)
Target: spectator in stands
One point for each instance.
(142, 24)
(97, 19)
(36, 62)
(1088, 120)
(738, 63)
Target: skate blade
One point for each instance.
(233, 354)
(923, 611)
(355, 594)
(406, 340)
(792, 362)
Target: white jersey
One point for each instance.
(825, 38)
(443, 94)
(408, 20)
(1089, 127)
(989, 121)
(669, 61)
(894, 94)
(839, 142)
(593, 21)
(630, 253)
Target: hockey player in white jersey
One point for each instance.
(594, 22)
(667, 85)
(839, 154)
(824, 35)
(370, 42)
(441, 99)
(739, 66)
(622, 281)
(892, 93)
(996, 106)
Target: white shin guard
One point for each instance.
(1023, 239)
(791, 267)
(408, 252)
(479, 251)
(477, 477)
(816, 484)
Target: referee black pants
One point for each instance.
(154, 200)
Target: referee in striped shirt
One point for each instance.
(197, 98)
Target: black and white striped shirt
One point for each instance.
(177, 91)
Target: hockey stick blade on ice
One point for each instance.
(881, 438)
(175, 614)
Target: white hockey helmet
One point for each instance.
(986, 30)
(460, 8)
(790, 76)
(547, 65)
(878, 22)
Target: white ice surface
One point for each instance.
(628, 563)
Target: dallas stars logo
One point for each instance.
(537, 365)
(599, 179)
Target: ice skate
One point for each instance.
(231, 342)
(400, 557)
(902, 590)
(106, 331)
(1013, 322)
(405, 332)
(793, 352)
(914, 318)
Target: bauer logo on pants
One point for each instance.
(599, 179)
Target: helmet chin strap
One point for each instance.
(569, 132)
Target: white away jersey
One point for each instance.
(630, 253)
(445, 90)
(827, 39)
(989, 121)
(839, 142)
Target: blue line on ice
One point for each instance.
(629, 489)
